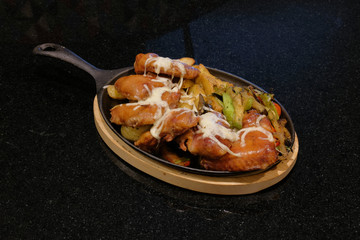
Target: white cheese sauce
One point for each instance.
(168, 65)
(258, 127)
(209, 127)
(189, 99)
(159, 124)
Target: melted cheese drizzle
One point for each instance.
(258, 127)
(188, 99)
(159, 124)
(168, 65)
(155, 99)
(208, 124)
(209, 127)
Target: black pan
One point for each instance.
(108, 77)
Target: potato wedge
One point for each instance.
(133, 133)
(203, 81)
(208, 81)
(195, 91)
(215, 103)
(187, 60)
(187, 83)
(113, 93)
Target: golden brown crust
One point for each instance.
(175, 124)
(256, 154)
(134, 114)
(139, 65)
(196, 144)
(147, 142)
(249, 120)
(136, 87)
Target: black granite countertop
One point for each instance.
(59, 180)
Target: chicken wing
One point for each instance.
(253, 150)
(134, 114)
(143, 113)
(207, 143)
(199, 145)
(136, 87)
(174, 123)
(151, 62)
(257, 153)
(253, 118)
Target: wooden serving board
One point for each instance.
(229, 185)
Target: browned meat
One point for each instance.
(197, 144)
(256, 152)
(174, 123)
(250, 118)
(138, 114)
(136, 87)
(147, 142)
(134, 114)
(174, 68)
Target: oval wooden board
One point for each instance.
(231, 185)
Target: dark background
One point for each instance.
(59, 180)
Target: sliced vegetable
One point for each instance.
(228, 109)
(182, 161)
(252, 93)
(172, 156)
(239, 111)
(215, 103)
(277, 107)
(195, 91)
(266, 98)
(248, 104)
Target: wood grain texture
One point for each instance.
(230, 185)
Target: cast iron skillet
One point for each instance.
(108, 77)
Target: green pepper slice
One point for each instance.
(228, 109)
(266, 99)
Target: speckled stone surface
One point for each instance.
(59, 180)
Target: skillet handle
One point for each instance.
(60, 52)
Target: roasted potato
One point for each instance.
(208, 81)
(187, 83)
(215, 103)
(133, 133)
(187, 60)
(113, 93)
(195, 91)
